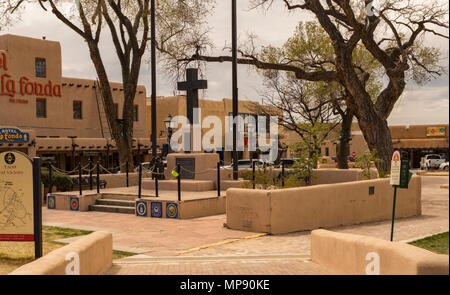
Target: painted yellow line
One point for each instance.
(222, 243)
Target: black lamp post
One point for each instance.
(170, 125)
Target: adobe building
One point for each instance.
(44, 114)
(176, 105)
(414, 140)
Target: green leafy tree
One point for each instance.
(365, 161)
(394, 37)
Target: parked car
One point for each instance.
(246, 163)
(287, 162)
(444, 166)
(431, 161)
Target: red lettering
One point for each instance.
(38, 88)
(8, 86)
(27, 88)
(21, 82)
(57, 90)
(48, 89)
(3, 62)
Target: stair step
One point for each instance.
(112, 202)
(112, 209)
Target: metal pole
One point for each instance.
(90, 173)
(127, 173)
(98, 177)
(234, 84)
(253, 173)
(218, 179)
(282, 173)
(393, 213)
(156, 178)
(140, 180)
(79, 179)
(153, 64)
(50, 178)
(37, 207)
(179, 182)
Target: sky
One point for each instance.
(428, 104)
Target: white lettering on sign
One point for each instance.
(395, 168)
(373, 268)
(73, 267)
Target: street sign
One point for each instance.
(404, 173)
(20, 199)
(395, 168)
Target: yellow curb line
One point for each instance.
(221, 243)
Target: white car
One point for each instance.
(431, 161)
(444, 166)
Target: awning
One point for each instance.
(435, 143)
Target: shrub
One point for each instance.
(60, 181)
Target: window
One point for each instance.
(327, 151)
(77, 110)
(41, 108)
(136, 113)
(41, 67)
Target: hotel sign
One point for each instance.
(10, 86)
(13, 135)
(436, 131)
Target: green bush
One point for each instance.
(61, 182)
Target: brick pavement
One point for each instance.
(163, 237)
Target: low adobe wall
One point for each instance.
(180, 209)
(94, 252)
(349, 254)
(326, 176)
(307, 208)
(115, 180)
(73, 202)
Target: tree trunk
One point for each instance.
(378, 137)
(343, 147)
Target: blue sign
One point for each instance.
(171, 210)
(51, 202)
(74, 204)
(156, 209)
(141, 208)
(10, 158)
(13, 135)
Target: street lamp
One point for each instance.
(170, 125)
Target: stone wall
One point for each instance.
(349, 254)
(94, 252)
(319, 206)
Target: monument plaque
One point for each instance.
(187, 164)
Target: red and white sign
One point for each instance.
(395, 168)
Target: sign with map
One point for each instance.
(16, 197)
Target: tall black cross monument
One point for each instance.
(191, 86)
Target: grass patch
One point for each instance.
(16, 254)
(436, 243)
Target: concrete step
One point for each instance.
(124, 197)
(116, 202)
(112, 209)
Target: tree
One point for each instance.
(306, 109)
(128, 23)
(310, 47)
(394, 37)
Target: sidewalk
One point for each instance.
(167, 238)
